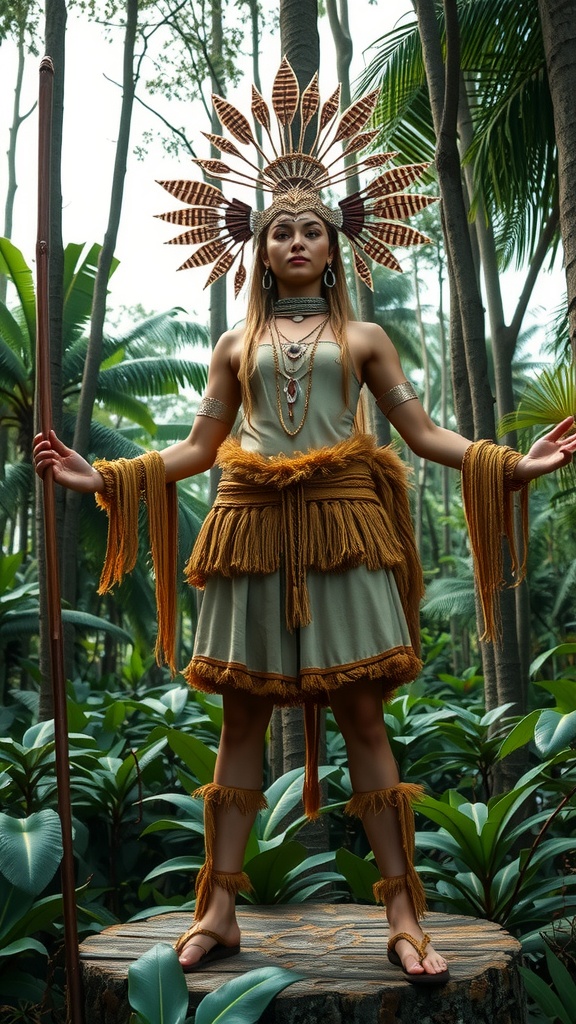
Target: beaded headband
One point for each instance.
(295, 179)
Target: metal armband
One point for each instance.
(217, 410)
(396, 396)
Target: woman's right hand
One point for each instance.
(69, 468)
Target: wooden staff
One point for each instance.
(43, 383)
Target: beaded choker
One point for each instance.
(297, 307)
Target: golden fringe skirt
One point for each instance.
(310, 574)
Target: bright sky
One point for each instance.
(147, 273)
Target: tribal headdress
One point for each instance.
(295, 179)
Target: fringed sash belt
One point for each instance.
(323, 511)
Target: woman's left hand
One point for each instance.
(550, 452)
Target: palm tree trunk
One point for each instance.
(339, 24)
(94, 353)
(558, 18)
(444, 96)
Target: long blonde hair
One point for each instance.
(261, 310)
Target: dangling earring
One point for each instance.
(267, 280)
(329, 277)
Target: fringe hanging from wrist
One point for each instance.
(248, 801)
(399, 797)
(487, 493)
(125, 482)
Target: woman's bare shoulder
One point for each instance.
(366, 335)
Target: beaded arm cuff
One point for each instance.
(216, 409)
(396, 396)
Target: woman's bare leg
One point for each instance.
(238, 765)
(358, 712)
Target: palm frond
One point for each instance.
(513, 151)
(12, 335)
(167, 331)
(152, 376)
(117, 402)
(15, 488)
(79, 278)
(13, 372)
(450, 596)
(13, 264)
(547, 400)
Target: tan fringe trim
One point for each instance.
(206, 879)
(330, 510)
(487, 486)
(395, 667)
(247, 801)
(125, 482)
(388, 887)
(401, 798)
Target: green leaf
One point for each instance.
(185, 863)
(243, 1000)
(30, 849)
(521, 734)
(268, 870)
(15, 266)
(460, 827)
(563, 982)
(21, 946)
(559, 650)
(157, 988)
(554, 732)
(360, 874)
(564, 690)
(543, 996)
(199, 758)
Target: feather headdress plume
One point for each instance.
(294, 180)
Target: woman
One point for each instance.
(310, 574)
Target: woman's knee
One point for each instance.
(362, 721)
(245, 719)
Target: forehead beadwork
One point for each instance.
(293, 181)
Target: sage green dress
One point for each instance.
(358, 628)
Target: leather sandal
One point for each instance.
(220, 951)
(417, 979)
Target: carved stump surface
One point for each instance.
(341, 950)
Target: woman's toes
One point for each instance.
(413, 966)
(434, 964)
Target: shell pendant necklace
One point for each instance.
(292, 388)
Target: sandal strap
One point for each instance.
(420, 947)
(194, 930)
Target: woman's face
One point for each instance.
(297, 250)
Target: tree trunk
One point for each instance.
(254, 6)
(98, 315)
(339, 25)
(558, 18)
(55, 33)
(444, 94)
(506, 657)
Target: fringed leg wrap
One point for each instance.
(248, 801)
(400, 798)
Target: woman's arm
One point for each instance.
(183, 459)
(382, 371)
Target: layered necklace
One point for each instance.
(289, 357)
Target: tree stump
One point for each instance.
(341, 950)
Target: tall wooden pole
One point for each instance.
(73, 980)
